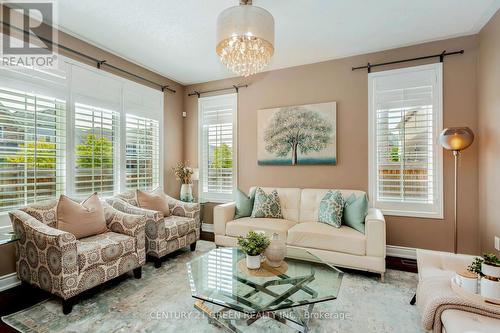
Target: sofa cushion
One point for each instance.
(103, 248)
(242, 226)
(155, 200)
(178, 226)
(436, 264)
(266, 205)
(331, 208)
(244, 204)
(81, 219)
(324, 237)
(355, 211)
(310, 200)
(289, 201)
(456, 321)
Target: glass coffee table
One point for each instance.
(8, 237)
(230, 294)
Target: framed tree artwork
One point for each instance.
(297, 135)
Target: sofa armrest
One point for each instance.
(123, 223)
(223, 214)
(375, 233)
(28, 228)
(127, 208)
(184, 209)
(430, 263)
(155, 226)
(38, 241)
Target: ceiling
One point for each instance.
(177, 38)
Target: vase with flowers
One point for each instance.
(184, 174)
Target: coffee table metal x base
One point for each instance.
(300, 323)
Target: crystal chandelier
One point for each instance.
(245, 38)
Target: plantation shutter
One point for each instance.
(217, 147)
(406, 156)
(32, 137)
(95, 142)
(143, 155)
(97, 104)
(144, 114)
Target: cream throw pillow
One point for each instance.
(81, 219)
(155, 200)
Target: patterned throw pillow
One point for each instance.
(331, 208)
(266, 205)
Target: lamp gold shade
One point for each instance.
(456, 138)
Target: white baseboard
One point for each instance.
(9, 281)
(206, 227)
(401, 252)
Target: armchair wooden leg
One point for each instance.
(67, 305)
(137, 272)
(382, 278)
(157, 262)
(192, 246)
(413, 300)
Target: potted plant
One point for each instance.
(184, 174)
(491, 266)
(475, 267)
(253, 245)
(490, 283)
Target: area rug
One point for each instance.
(161, 302)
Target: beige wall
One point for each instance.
(334, 81)
(173, 127)
(489, 130)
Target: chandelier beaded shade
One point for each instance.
(245, 38)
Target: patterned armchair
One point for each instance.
(55, 261)
(164, 235)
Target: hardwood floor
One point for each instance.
(24, 296)
(16, 299)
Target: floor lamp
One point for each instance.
(456, 139)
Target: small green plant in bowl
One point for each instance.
(253, 245)
(475, 267)
(491, 266)
(491, 259)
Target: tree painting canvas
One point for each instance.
(297, 135)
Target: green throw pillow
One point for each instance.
(330, 209)
(266, 205)
(355, 211)
(244, 204)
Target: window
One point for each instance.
(32, 143)
(75, 130)
(142, 153)
(96, 131)
(217, 147)
(405, 119)
(143, 136)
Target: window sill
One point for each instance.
(424, 215)
(205, 199)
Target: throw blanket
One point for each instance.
(435, 295)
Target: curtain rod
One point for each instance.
(441, 56)
(235, 87)
(99, 63)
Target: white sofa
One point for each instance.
(344, 246)
(442, 266)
